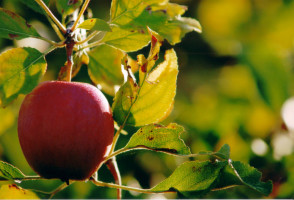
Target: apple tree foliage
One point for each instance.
(143, 90)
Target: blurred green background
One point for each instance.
(234, 86)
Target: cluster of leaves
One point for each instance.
(213, 171)
(143, 103)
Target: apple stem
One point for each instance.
(113, 168)
(65, 73)
(69, 64)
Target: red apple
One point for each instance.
(65, 129)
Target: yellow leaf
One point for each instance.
(13, 191)
(154, 98)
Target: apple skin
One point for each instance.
(65, 129)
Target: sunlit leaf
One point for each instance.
(171, 9)
(159, 138)
(105, 67)
(67, 7)
(20, 71)
(176, 29)
(95, 24)
(13, 191)
(127, 40)
(13, 26)
(164, 19)
(9, 172)
(124, 11)
(171, 29)
(192, 176)
(154, 98)
(34, 5)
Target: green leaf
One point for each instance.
(192, 176)
(20, 72)
(163, 18)
(13, 191)
(9, 172)
(227, 179)
(153, 100)
(238, 173)
(67, 7)
(34, 5)
(105, 67)
(159, 138)
(126, 40)
(13, 26)
(251, 177)
(176, 29)
(95, 24)
(171, 29)
(124, 11)
(130, 35)
(224, 152)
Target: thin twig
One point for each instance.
(209, 155)
(123, 187)
(29, 178)
(115, 153)
(94, 44)
(51, 15)
(61, 187)
(83, 9)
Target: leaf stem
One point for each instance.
(123, 187)
(46, 40)
(55, 28)
(115, 153)
(85, 5)
(90, 37)
(94, 44)
(51, 15)
(115, 138)
(52, 48)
